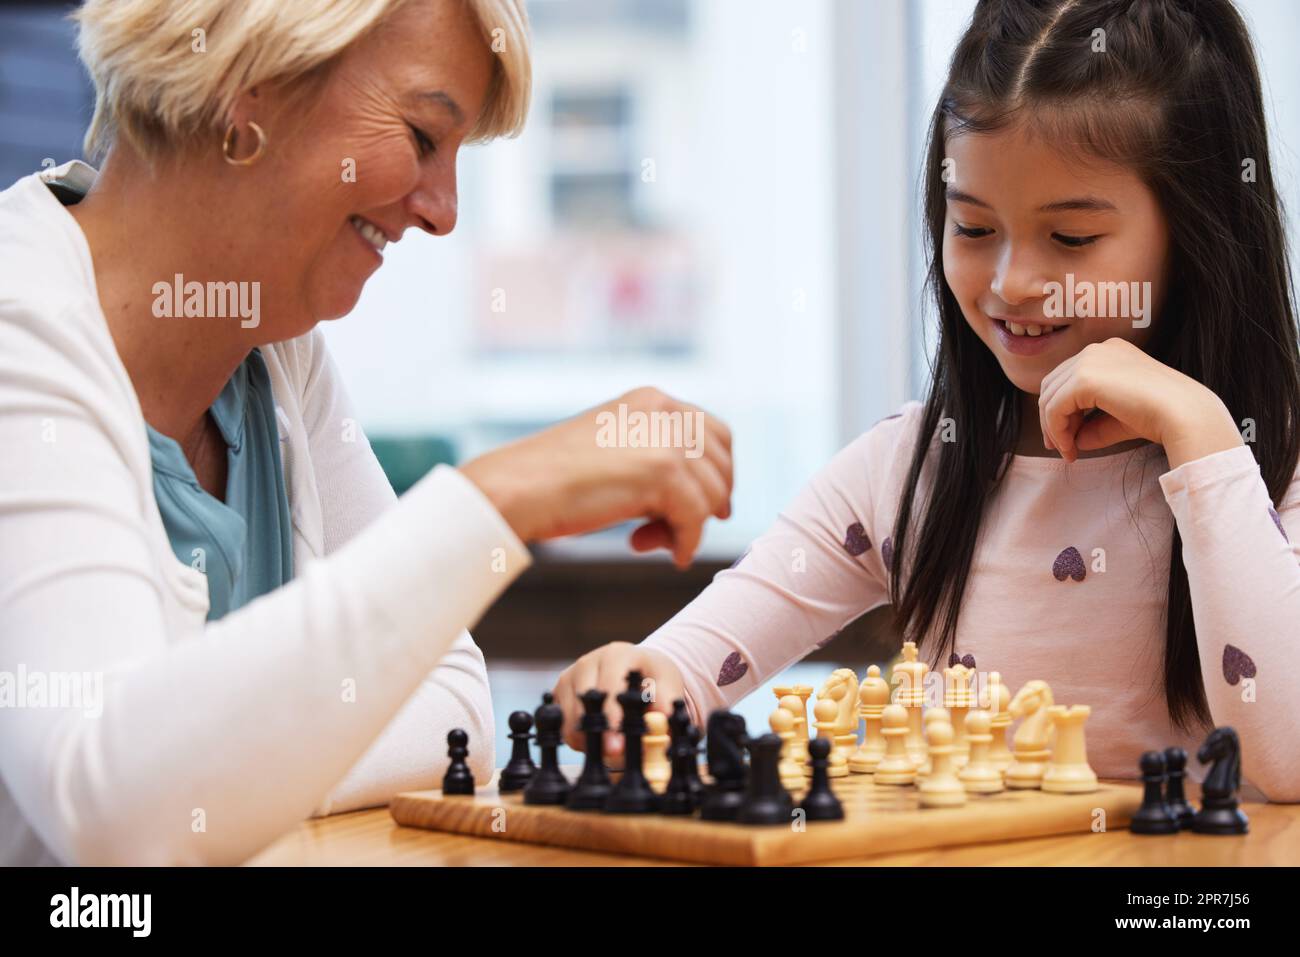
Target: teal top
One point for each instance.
(245, 544)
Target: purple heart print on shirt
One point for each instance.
(887, 552)
(1236, 665)
(733, 669)
(1277, 520)
(855, 539)
(1069, 564)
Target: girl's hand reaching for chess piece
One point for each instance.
(571, 478)
(606, 668)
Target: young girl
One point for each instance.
(1100, 489)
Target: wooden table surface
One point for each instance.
(372, 838)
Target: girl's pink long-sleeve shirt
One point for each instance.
(1069, 584)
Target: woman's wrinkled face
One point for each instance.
(1046, 252)
(373, 157)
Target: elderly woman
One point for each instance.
(192, 533)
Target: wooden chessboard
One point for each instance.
(879, 819)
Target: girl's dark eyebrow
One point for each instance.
(1085, 204)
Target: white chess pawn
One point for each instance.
(980, 775)
(1068, 771)
(655, 765)
(931, 714)
(996, 699)
(941, 788)
(782, 723)
(895, 767)
(792, 704)
(826, 712)
(873, 696)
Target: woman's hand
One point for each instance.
(606, 668)
(565, 480)
(1136, 397)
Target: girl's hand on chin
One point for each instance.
(1136, 397)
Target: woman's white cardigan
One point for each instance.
(331, 693)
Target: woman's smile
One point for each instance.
(372, 238)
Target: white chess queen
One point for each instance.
(269, 161)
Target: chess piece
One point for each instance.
(799, 743)
(655, 743)
(820, 803)
(896, 766)
(1032, 737)
(980, 775)
(846, 718)
(1154, 816)
(958, 699)
(826, 712)
(931, 714)
(458, 779)
(549, 785)
(726, 742)
(909, 677)
(593, 785)
(1068, 772)
(941, 788)
(1175, 796)
(873, 696)
(520, 769)
(684, 790)
(765, 801)
(632, 794)
(782, 724)
(1219, 813)
(996, 699)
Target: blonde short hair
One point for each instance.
(151, 87)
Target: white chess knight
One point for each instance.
(1033, 737)
(1068, 771)
(842, 688)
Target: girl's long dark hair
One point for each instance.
(1175, 96)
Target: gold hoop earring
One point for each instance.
(229, 141)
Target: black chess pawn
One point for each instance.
(632, 794)
(1154, 816)
(682, 796)
(766, 799)
(549, 785)
(726, 740)
(520, 769)
(820, 803)
(458, 779)
(1175, 797)
(1219, 813)
(593, 786)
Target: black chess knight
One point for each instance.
(1219, 812)
(725, 745)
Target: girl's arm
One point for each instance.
(814, 571)
(1244, 573)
